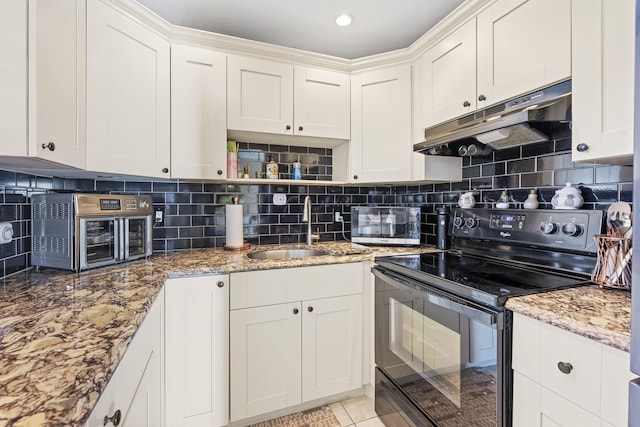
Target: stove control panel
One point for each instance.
(571, 229)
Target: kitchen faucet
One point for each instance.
(306, 216)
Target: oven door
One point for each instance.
(444, 354)
(137, 237)
(99, 241)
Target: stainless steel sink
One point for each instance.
(285, 254)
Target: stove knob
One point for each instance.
(471, 223)
(457, 222)
(548, 227)
(571, 229)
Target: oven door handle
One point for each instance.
(436, 297)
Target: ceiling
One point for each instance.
(378, 25)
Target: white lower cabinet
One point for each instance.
(197, 351)
(134, 392)
(563, 379)
(296, 336)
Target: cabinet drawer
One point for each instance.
(557, 411)
(268, 287)
(581, 384)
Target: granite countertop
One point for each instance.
(62, 334)
(603, 315)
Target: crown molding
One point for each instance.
(236, 45)
(141, 14)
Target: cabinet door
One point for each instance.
(141, 394)
(197, 355)
(265, 359)
(449, 76)
(13, 84)
(321, 103)
(136, 387)
(198, 113)
(127, 95)
(57, 81)
(331, 346)
(381, 149)
(522, 45)
(602, 80)
(260, 95)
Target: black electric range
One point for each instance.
(442, 335)
(497, 254)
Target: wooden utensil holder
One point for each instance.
(613, 266)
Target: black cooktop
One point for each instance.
(486, 281)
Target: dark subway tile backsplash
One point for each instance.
(195, 213)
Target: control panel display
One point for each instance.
(110, 204)
(507, 221)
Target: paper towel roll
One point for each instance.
(235, 239)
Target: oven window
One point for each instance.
(137, 236)
(445, 361)
(100, 240)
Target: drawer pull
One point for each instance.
(295, 311)
(220, 284)
(565, 367)
(115, 419)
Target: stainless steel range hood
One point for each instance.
(523, 120)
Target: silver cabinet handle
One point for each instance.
(565, 367)
(51, 146)
(220, 284)
(115, 418)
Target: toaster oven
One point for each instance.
(385, 225)
(81, 231)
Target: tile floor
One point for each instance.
(360, 412)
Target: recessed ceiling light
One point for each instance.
(344, 20)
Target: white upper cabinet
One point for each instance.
(13, 84)
(510, 48)
(198, 113)
(602, 82)
(276, 97)
(43, 90)
(260, 95)
(128, 111)
(321, 103)
(522, 45)
(449, 76)
(381, 149)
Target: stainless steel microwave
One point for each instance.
(81, 231)
(385, 225)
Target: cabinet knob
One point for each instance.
(51, 146)
(220, 284)
(288, 127)
(295, 311)
(482, 98)
(309, 309)
(165, 170)
(582, 147)
(466, 104)
(115, 418)
(219, 171)
(300, 128)
(355, 176)
(565, 367)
